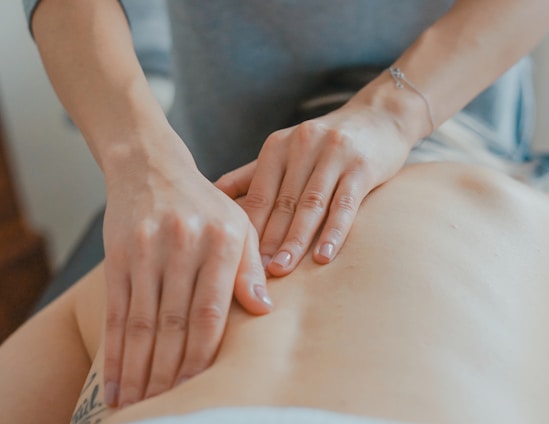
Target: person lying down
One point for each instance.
(435, 311)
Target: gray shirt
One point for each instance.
(240, 67)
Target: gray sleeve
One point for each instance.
(149, 23)
(29, 6)
(150, 27)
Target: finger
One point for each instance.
(343, 211)
(310, 213)
(172, 326)
(236, 183)
(118, 295)
(304, 148)
(210, 306)
(250, 284)
(140, 333)
(284, 209)
(264, 187)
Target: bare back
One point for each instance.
(434, 311)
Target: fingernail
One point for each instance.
(265, 260)
(282, 259)
(327, 250)
(261, 293)
(111, 393)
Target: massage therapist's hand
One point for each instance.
(177, 248)
(313, 177)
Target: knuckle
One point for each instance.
(223, 233)
(114, 320)
(140, 326)
(180, 236)
(361, 163)
(256, 200)
(286, 203)
(314, 200)
(306, 132)
(337, 139)
(208, 317)
(182, 233)
(308, 129)
(144, 235)
(171, 221)
(346, 203)
(172, 322)
(336, 233)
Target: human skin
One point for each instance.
(434, 312)
(86, 49)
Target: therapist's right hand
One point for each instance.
(176, 250)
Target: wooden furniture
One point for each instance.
(24, 267)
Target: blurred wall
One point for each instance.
(58, 181)
(60, 185)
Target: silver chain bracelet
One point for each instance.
(401, 80)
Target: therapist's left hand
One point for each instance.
(313, 177)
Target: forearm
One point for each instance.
(87, 51)
(459, 56)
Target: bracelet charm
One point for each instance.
(400, 81)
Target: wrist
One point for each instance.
(408, 110)
(116, 111)
(145, 151)
(133, 134)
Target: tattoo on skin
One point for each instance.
(90, 408)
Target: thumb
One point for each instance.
(250, 288)
(236, 183)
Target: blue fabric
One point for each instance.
(266, 415)
(241, 67)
